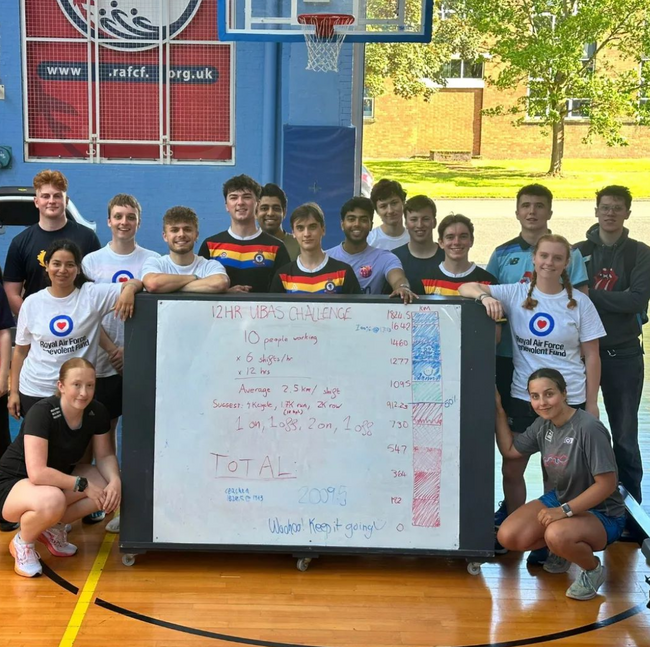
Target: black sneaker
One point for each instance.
(95, 517)
(8, 526)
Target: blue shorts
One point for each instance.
(613, 525)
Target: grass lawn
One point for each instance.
(502, 178)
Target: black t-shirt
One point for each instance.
(417, 269)
(65, 446)
(440, 283)
(253, 261)
(335, 277)
(25, 258)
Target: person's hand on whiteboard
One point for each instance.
(492, 306)
(404, 292)
(547, 516)
(240, 288)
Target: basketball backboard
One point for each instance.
(374, 20)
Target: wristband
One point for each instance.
(480, 297)
(76, 484)
(405, 285)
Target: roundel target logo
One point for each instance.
(122, 276)
(542, 324)
(330, 287)
(259, 259)
(124, 24)
(61, 326)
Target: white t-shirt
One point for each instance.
(377, 238)
(201, 267)
(105, 266)
(549, 336)
(58, 329)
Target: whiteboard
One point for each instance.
(291, 423)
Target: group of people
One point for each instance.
(569, 320)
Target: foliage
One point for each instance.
(415, 68)
(553, 51)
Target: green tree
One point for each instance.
(556, 50)
(413, 66)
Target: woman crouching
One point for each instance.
(40, 484)
(584, 511)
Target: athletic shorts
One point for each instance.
(28, 401)
(6, 485)
(108, 391)
(613, 525)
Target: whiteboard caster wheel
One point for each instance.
(473, 568)
(128, 559)
(303, 563)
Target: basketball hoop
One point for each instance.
(325, 40)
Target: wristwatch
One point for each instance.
(567, 509)
(81, 484)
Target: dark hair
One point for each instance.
(615, 191)
(124, 200)
(530, 303)
(68, 246)
(176, 215)
(358, 202)
(538, 190)
(384, 189)
(240, 183)
(452, 219)
(549, 374)
(418, 203)
(271, 190)
(306, 210)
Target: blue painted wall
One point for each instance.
(294, 96)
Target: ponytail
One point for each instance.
(530, 303)
(569, 290)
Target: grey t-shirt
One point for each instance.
(573, 454)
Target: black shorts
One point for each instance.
(6, 485)
(28, 401)
(108, 391)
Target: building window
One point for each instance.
(368, 107)
(577, 107)
(459, 69)
(153, 85)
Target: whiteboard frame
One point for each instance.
(476, 531)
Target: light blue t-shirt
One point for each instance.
(371, 266)
(512, 262)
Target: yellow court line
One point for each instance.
(86, 596)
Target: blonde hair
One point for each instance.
(66, 367)
(530, 303)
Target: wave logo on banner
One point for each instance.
(61, 326)
(542, 324)
(121, 276)
(122, 23)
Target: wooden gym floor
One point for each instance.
(178, 599)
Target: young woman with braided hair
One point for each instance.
(552, 326)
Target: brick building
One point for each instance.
(452, 121)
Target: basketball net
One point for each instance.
(324, 41)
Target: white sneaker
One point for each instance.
(68, 527)
(56, 540)
(587, 584)
(556, 564)
(27, 559)
(114, 524)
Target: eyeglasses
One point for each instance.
(608, 208)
